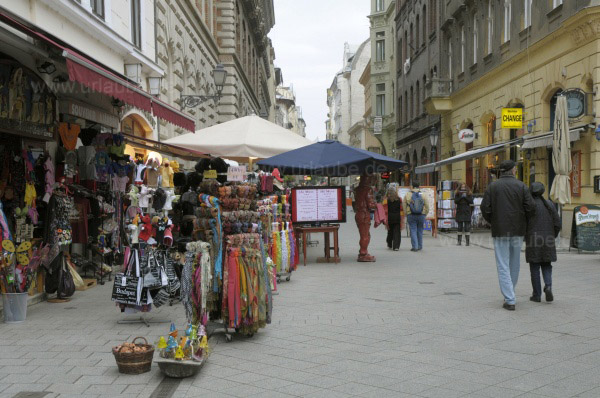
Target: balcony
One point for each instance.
(437, 95)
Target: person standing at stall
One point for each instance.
(394, 218)
(463, 197)
(416, 209)
(540, 251)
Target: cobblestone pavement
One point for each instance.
(426, 324)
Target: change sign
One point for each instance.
(512, 118)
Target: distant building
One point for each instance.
(345, 96)
(287, 114)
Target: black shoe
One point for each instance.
(459, 240)
(468, 240)
(537, 299)
(413, 250)
(510, 307)
(549, 295)
(396, 250)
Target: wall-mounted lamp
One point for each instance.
(154, 85)
(47, 68)
(134, 72)
(497, 158)
(219, 77)
(528, 154)
(477, 161)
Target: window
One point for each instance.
(406, 117)
(424, 28)
(527, 13)
(404, 45)
(380, 105)
(507, 19)
(380, 50)
(411, 111)
(418, 99)
(432, 15)
(98, 8)
(412, 41)
(490, 30)
(450, 76)
(380, 34)
(556, 3)
(475, 37)
(136, 26)
(379, 4)
(380, 87)
(401, 54)
(418, 39)
(462, 48)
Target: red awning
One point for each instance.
(88, 73)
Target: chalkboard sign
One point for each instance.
(585, 230)
(127, 289)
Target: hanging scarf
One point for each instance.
(269, 303)
(186, 283)
(284, 252)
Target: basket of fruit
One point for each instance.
(134, 358)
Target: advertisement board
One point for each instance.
(315, 205)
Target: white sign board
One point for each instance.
(378, 124)
(317, 205)
(236, 173)
(467, 136)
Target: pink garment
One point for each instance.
(380, 217)
(119, 184)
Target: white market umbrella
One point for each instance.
(244, 139)
(561, 155)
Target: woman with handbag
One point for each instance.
(463, 197)
(540, 251)
(394, 218)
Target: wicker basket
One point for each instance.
(135, 363)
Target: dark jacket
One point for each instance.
(464, 207)
(394, 211)
(542, 229)
(507, 204)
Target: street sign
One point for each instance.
(378, 125)
(467, 136)
(512, 118)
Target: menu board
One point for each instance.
(585, 230)
(318, 204)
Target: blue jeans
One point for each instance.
(508, 262)
(415, 223)
(536, 283)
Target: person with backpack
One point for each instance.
(540, 250)
(416, 209)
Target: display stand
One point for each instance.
(326, 229)
(142, 319)
(218, 327)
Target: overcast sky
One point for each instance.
(308, 38)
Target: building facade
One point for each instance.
(228, 32)
(418, 49)
(383, 73)
(287, 114)
(345, 96)
(511, 54)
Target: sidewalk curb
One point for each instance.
(560, 250)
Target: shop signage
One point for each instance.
(585, 230)
(378, 124)
(385, 176)
(210, 174)
(467, 136)
(90, 113)
(512, 118)
(575, 102)
(236, 173)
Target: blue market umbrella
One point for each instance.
(332, 159)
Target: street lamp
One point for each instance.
(434, 136)
(219, 77)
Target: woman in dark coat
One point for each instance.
(463, 197)
(540, 252)
(394, 218)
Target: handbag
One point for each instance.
(66, 285)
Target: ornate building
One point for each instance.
(383, 72)
(194, 36)
(287, 114)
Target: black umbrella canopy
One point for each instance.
(331, 159)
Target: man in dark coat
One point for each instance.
(507, 205)
(540, 252)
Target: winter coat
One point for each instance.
(394, 207)
(464, 207)
(542, 229)
(507, 205)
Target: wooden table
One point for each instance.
(326, 229)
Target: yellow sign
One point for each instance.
(210, 174)
(512, 118)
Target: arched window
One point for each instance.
(406, 116)
(424, 28)
(412, 104)
(475, 39)
(418, 99)
(432, 15)
(450, 76)
(418, 39)
(400, 113)
(412, 41)
(424, 89)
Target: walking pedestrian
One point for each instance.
(416, 208)
(507, 205)
(540, 251)
(463, 197)
(394, 219)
